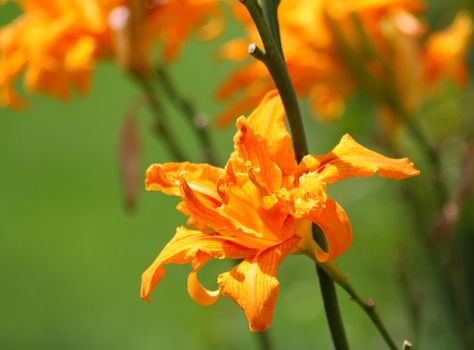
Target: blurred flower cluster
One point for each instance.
(380, 47)
(57, 44)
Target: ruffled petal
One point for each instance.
(201, 178)
(247, 211)
(200, 294)
(213, 218)
(252, 151)
(196, 290)
(306, 198)
(183, 248)
(334, 223)
(269, 121)
(203, 212)
(253, 284)
(349, 159)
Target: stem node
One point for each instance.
(257, 53)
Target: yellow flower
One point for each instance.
(260, 209)
(334, 47)
(57, 44)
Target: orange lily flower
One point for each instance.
(260, 209)
(327, 43)
(57, 44)
(446, 51)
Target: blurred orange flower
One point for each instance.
(333, 48)
(58, 43)
(446, 51)
(260, 209)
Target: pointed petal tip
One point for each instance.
(200, 294)
(241, 122)
(351, 159)
(145, 291)
(411, 171)
(258, 328)
(145, 298)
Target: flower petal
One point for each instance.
(269, 121)
(306, 198)
(349, 159)
(446, 51)
(166, 178)
(253, 284)
(210, 217)
(167, 14)
(246, 210)
(202, 211)
(337, 230)
(234, 50)
(252, 156)
(200, 294)
(243, 79)
(183, 248)
(196, 290)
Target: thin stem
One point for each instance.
(331, 304)
(161, 126)
(273, 59)
(270, 13)
(190, 113)
(368, 306)
(278, 71)
(264, 340)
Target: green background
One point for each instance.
(71, 256)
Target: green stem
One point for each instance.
(278, 70)
(264, 340)
(273, 59)
(161, 126)
(270, 13)
(190, 114)
(331, 304)
(368, 306)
